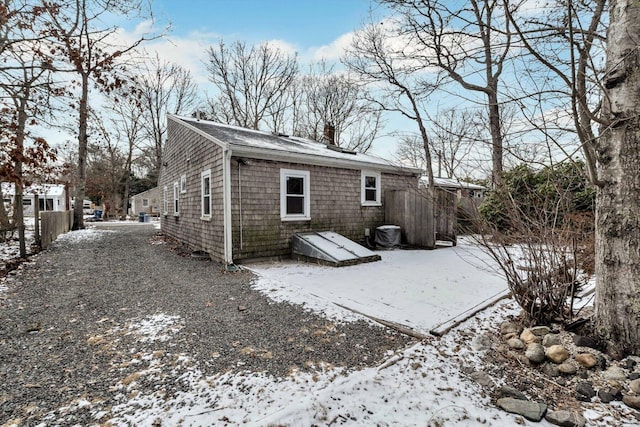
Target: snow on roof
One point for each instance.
(39, 189)
(452, 183)
(269, 146)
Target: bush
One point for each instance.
(538, 227)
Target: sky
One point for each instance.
(314, 30)
(306, 24)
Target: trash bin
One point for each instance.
(147, 218)
(141, 217)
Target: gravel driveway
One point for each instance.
(79, 321)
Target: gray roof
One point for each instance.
(454, 183)
(265, 145)
(53, 190)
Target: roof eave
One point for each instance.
(273, 155)
(200, 132)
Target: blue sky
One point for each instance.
(302, 23)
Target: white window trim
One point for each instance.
(165, 205)
(363, 179)
(176, 199)
(183, 183)
(145, 203)
(205, 174)
(305, 175)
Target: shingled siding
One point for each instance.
(335, 195)
(187, 152)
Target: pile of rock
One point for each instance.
(569, 362)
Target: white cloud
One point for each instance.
(332, 51)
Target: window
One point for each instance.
(45, 204)
(26, 202)
(176, 199)
(371, 189)
(205, 191)
(183, 183)
(295, 203)
(145, 203)
(165, 207)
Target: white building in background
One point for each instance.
(51, 197)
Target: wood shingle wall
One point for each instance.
(187, 152)
(336, 206)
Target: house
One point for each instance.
(147, 202)
(239, 194)
(51, 197)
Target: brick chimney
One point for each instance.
(329, 134)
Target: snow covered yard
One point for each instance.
(425, 384)
(418, 289)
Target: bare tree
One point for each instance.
(128, 124)
(381, 59)
(86, 49)
(164, 88)
(469, 42)
(333, 98)
(25, 88)
(560, 76)
(251, 82)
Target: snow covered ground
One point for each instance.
(418, 386)
(416, 288)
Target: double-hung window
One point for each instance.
(295, 202)
(205, 192)
(176, 198)
(183, 183)
(371, 190)
(165, 201)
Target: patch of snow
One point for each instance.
(419, 289)
(159, 327)
(84, 235)
(418, 386)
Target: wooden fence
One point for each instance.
(54, 224)
(422, 223)
(413, 212)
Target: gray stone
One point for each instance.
(634, 376)
(551, 339)
(582, 341)
(634, 386)
(482, 378)
(508, 328)
(557, 353)
(550, 370)
(516, 343)
(567, 368)
(629, 364)
(565, 418)
(507, 391)
(535, 352)
(585, 391)
(540, 331)
(481, 343)
(615, 373)
(532, 411)
(609, 394)
(632, 401)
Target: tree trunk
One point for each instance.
(496, 136)
(81, 182)
(18, 209)
(617, 304)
